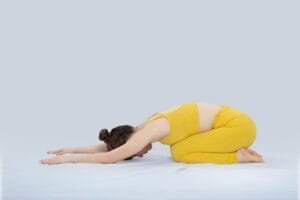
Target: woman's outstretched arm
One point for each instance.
(83, 149)
(136, 143)
(80, 158)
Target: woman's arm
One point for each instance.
(145, 122)
(91, 149)
(83, 149)
(84, 158)
(135, 144)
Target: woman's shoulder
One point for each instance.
(152, 117)
(157, 127)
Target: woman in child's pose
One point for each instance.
(196, 132)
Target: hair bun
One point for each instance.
(103, 134)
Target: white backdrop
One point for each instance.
(70, 68)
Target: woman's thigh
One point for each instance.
(222, 140)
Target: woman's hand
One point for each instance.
(55, 160)
(61, 151)
(101, 157)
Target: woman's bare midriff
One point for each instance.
(207, 114)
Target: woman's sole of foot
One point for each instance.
(248, 155)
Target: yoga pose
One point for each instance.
(196, 132)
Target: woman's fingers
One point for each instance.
(54, 160)
(57, 152)
(46, 161)
(52, 151)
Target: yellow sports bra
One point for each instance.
(183, 119)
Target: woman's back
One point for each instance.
(205, 112)
(186, 128)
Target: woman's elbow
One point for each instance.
(101, 158)
(110, 161)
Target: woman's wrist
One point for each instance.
(69, 159)
(69, 150)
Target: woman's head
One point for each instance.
(119, 136)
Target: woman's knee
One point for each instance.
(251, 138)
(177, 152)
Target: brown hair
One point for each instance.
(117, 137)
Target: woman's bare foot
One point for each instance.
(248, 155)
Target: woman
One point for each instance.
(196, 132)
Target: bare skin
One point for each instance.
(93, 149)
(89, 153)
(207, 113)
(247, 155)
(149, 131)
(244, 155)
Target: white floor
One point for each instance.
(154, 176)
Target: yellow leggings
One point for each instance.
(232, 130)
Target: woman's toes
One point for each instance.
(258, 159)
(254, 152)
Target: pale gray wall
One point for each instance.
(69, 68)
